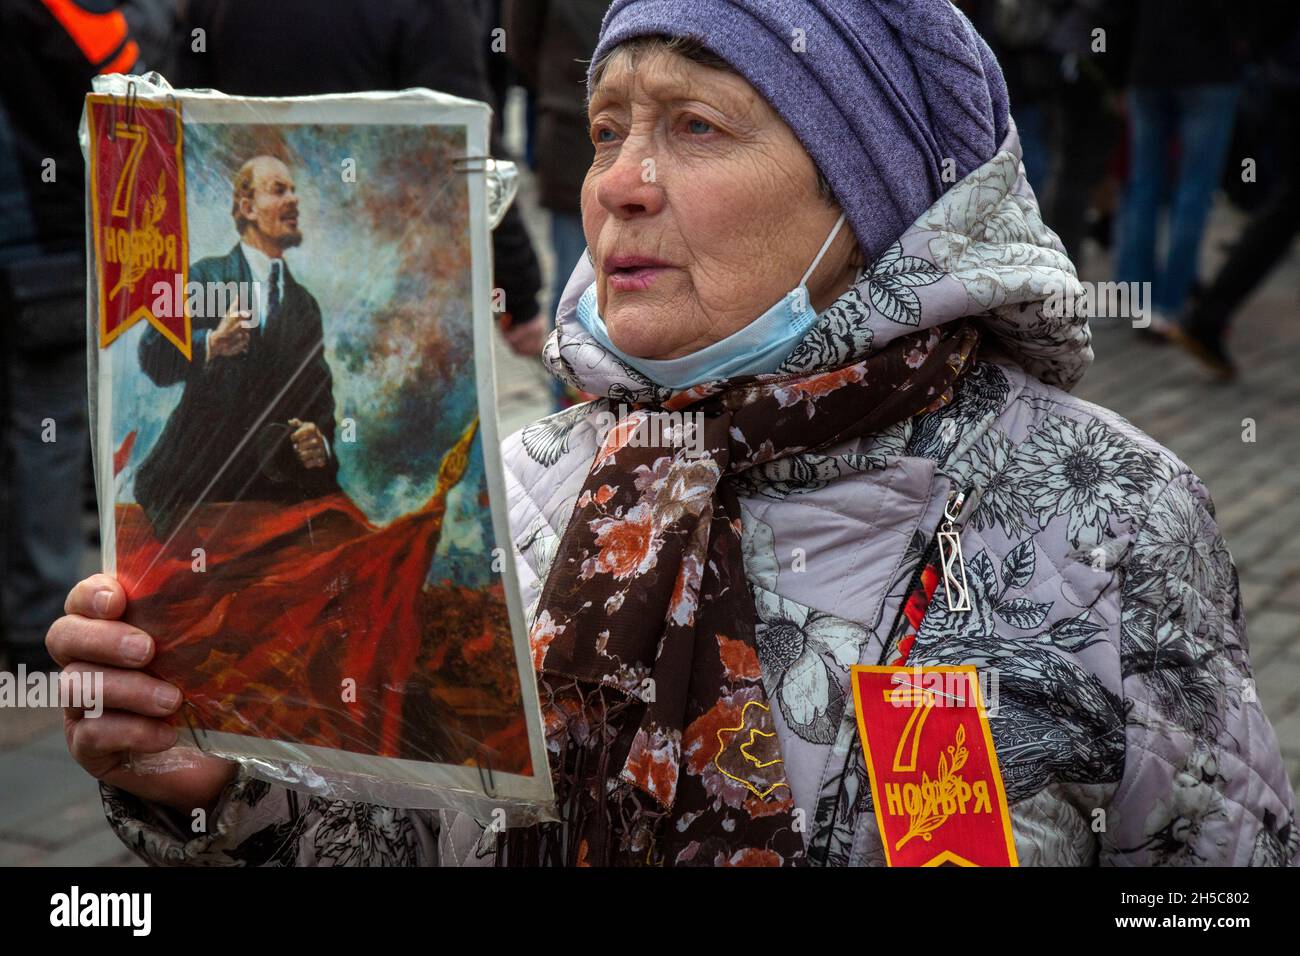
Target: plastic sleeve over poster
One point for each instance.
(295, 437)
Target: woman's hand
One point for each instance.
(527, 338)
(90, 638)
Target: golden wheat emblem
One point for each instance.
(143, 237)
(929, 817)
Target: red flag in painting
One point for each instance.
(123, 453)
(309, 624)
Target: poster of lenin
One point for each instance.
(296, 436)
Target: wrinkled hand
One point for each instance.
(527, 338)
(230, 337)
(89, 638)
(308, 443)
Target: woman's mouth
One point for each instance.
(632, 273)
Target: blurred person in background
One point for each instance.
(51, 50)
(501, 72)
(307, 47)
(1184, 76)
(1064, 93)
(549, 41)
(1267, 237)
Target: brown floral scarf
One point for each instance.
(662, 741)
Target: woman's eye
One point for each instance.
(600, 134)
(699, 126)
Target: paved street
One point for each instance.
(50, 812)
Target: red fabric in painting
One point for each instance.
(291, 597)
(262, 611)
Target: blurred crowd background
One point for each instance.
(1137, 117)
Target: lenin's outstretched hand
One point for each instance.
(230, 337)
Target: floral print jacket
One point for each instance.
(1102, 593)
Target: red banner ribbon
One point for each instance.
(935, 780)
(137, 201)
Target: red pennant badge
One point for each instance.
(935, 779)
(137, 202)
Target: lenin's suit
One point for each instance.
(228, 439)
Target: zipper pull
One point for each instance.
(955, 588)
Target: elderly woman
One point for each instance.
(858, 414)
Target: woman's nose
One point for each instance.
(631, 187)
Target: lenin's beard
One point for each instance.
(290, 238)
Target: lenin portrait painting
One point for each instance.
(300, 507)
(258, 370)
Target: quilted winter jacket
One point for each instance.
(1102, 595)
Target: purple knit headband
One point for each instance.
(881, 94)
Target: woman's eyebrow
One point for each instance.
(672, 91)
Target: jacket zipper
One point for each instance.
(948, 539)
(956, 510)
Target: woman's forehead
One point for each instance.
(665, 75)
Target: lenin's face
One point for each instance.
(273, 208)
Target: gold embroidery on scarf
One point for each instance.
(754, 731)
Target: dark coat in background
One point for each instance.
(550, 42)
(47, 77)
(228, 439)
(1191, 42)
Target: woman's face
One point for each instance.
(700, 208)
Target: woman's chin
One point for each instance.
(632, 332)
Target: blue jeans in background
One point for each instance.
(569, 244)
(1200, 119)
(1031, 124)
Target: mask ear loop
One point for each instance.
(822, 251)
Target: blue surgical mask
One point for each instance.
(757, 349)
